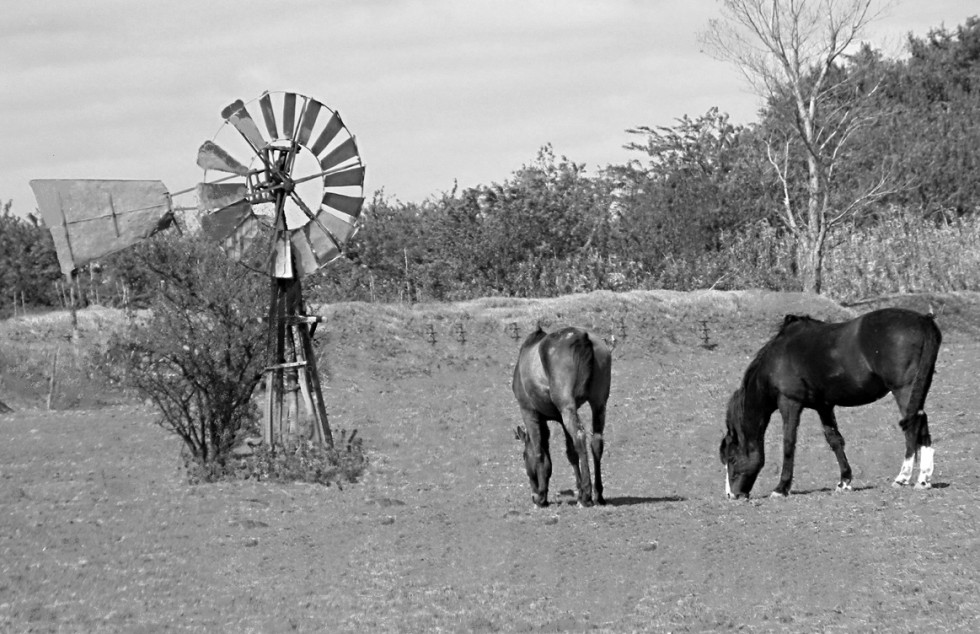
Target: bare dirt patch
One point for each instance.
(99, 531)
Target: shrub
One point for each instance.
(292, 461)
(28, 263)
(199, 354)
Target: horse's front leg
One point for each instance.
(578, 456)
(537, 456)
(790, 411)
(836, 442)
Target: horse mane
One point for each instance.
(800, 320)
(789, 322)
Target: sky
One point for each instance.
(437, 92)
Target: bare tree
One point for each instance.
(792, 53)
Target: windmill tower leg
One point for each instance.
(287, 324)
(274, 371)
(308, 375)
(321, 424)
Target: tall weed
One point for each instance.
(903, 253)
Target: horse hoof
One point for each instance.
(923, 485)
(898, 484)
(778, 494)
(584, 504)
(539, 502)
(843, 486)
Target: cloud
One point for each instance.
(435, 90)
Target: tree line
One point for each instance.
(703, 203)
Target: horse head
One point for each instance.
(741, 449)
(531, 466)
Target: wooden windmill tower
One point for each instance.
(281, 198)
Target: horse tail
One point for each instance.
(914, 411)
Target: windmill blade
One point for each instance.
(324, 245)
(269, 115)
(236, 114)
(309, 120)
(345, 178)
(212, 157)
(226, 222)
(303, 255)
(212, 196)
(343, 152)
(288, 114)
(350, 205)
(334, 125)
(341, 228)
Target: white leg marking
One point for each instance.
(728, 485)
(843, 486)
(926, 457)
(906, 473)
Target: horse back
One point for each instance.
(854, 362)
(564, 368)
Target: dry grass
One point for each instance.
(99, 532)
(35, 347)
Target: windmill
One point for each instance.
(281, 198)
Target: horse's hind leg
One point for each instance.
(836, 442)
(598, 424)
(926, 453)
(577, 455)
(918, 442)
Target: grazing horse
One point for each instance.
(555, 374)
(819, 365)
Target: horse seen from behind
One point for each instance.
(556, 374)
(818, 365)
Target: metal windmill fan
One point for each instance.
(295, 185)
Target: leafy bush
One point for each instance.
(28, 263)
(199, 354)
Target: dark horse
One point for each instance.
(819, 365)
(556, 373)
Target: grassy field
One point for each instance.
(100, 532)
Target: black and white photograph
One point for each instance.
(502, 316)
